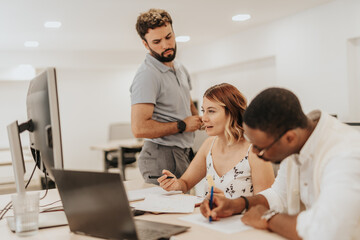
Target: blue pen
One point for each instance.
(211, 201)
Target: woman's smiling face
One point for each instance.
(214, 117)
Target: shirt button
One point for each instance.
(305, 184)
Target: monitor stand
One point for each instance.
(46, 219)
(17, 156)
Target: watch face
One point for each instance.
(181, 125)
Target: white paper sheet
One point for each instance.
(227, 225)
(167, 204)
(142, 193)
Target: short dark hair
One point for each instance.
(152, 19)
(275, 111)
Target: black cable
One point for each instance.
(5, 209)
(50, 203)
(47, 186)
(32, 174)
(9, 205)
(53, 209)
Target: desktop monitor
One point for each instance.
(43, 125)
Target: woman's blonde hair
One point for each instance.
(234, 103)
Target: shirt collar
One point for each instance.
(311, 144)
(159, 65)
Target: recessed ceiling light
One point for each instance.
(182, 39)
(31, 44)
(241, 17)
(52, 24)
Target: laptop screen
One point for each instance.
(96, 204)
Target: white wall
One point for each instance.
(93, 92)
(244, 76)
(354, 77)
(91, 99)
(310, 50)
(12, 108)
(315, 53)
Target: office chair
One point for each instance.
(127, 155)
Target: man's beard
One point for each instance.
(161, 57)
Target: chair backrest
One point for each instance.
(120, 131)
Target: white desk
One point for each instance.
(121, 147)
(115, 144)
(195, 232)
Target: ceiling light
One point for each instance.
(241, 17)
(52, 24)
(182, 39)
(31, 44)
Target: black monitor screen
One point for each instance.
(43, 109)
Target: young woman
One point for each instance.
(225, 155)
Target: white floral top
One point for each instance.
(236, 182)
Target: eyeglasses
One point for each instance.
(263, 150)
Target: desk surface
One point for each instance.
(115, 144)
(195, 232)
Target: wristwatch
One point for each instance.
(181, 125)
(269, 214)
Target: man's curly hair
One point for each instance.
(152, 19)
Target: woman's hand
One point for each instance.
(169, 184)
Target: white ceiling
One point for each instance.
(110, 24)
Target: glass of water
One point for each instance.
(26, 213)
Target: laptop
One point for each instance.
(95, 204)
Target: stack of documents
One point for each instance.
(160, 201)
(227, 225)
(140, 194)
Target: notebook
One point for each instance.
(95, 204)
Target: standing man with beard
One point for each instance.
(162, 111)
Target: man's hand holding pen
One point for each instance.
(221, 207)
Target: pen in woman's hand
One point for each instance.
(211, 201)
(156, 177)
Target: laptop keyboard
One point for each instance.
(148, 230)
(151, 234)
(136, 212)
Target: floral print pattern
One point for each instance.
(235, 183)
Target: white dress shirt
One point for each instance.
(325, 177)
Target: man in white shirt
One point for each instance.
(316, 194)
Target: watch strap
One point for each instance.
(246, 204)
(269, 214)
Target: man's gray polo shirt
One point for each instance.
(169, 91)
